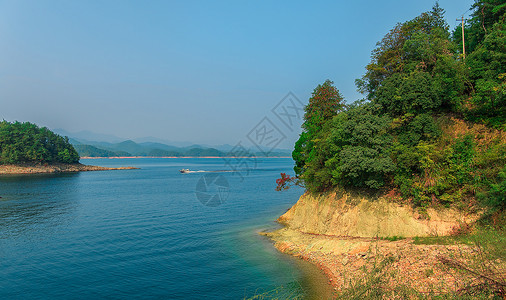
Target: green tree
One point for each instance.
(360, 145)
(488, 72)
(415, 68)
(325, 103)
(26, 142)
(401, 49)
(410, 136)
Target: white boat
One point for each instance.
(184, 170)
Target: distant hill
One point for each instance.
(152, 149)
(86, 135)
(151, 139)
(112, 146)
(131, 147)
(160, 146)
(92, 151)
(204, 152)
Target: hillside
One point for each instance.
(406, 189)
(28, 143)
(431, 129)
(92, 151)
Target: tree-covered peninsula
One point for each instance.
(29, 143)
(28, 148)
(406, 189)
(431, 128)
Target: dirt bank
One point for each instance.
(343, 237)
(344, 215)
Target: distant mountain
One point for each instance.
(74, 142)
(92, 151)
(86, 135)
(150, 139)
(163, 153)
(90, 144)
(224, 147)
(204, 152)
(131, 148)
(127, 148)
(281, 152)
(159, 146)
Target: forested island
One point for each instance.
(27, 143)
(406, 189)
(27, 148)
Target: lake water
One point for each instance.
(148, 233)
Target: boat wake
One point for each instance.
(185, 171)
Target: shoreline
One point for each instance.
(30, 168)
(349, 260)
(121, 157)
(340, 236)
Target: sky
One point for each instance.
(201, 71)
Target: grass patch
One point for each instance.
(393, 238)
(492, 240)
(434, 240)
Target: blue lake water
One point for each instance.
(145, 233)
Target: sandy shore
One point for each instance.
(53, 168)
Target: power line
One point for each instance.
(466, 11)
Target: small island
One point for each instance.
(26, 148)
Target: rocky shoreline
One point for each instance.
(332, 234)
(53, 168)
(350, 260)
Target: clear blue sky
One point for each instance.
(201, 71)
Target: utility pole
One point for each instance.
(463, 39)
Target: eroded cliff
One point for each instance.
(344, 215)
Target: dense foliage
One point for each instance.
(27, 143)
(485, 36)
(432, 127)
(323, 105)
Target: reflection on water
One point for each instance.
(36, 202)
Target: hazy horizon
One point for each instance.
(203, 72)
(89, 136)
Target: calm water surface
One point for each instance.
(144, 234)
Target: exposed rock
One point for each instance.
(360, 217)
(340, 235)
(53, 168)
